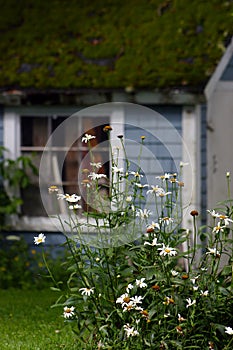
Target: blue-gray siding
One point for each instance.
(228, 72)
(203, 163)
(163, 144)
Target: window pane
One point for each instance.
(64, 162)
(34, 131)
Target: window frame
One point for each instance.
(12, 137)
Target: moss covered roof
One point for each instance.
(74, 44)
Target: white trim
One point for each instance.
(211, 85)
(224, 86)
(191, 131)
(11, 134)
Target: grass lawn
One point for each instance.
(27, 322)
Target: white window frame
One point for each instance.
(11, 139)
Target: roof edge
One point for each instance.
(211, 85)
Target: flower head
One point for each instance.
(137, 299)
(140, 185)
(164, 177)
(180, 318)
(166, 220)
(205, 293)
(96, 165)
(39, 239)
(75, 206)
(87, 138)
(190, 302)
(213, 251)
(71, 198)
(155, 189)
(140, 283)
(154, 242)
(124, 298)
(153, 226)
(136, 174)
(107, 128)
(218, 228)
(174, 273)
(229, 330)
(128, 199)
(117, 170)
(130, 286)
(168, 301)
(130, 331)
(86, 291)
(143, 214)
(68, 311)
(165, 250)
(95, 176)
(53, 188)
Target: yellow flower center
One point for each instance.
(126, 299)
(222, 217)
(167, 250)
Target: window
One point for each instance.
(35, 132)
(28, 131)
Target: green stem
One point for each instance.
(194, 240)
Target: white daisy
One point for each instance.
(174, 273)
(190, 302)
(154, 242)
(141, 186)
(130, 286)
(39, 239)
(87, 138)
(205, 293)
(213, 251)
(71, 198)
(53, 188)
(163, 194)
(156, 190)
(165, 250)
(164, 177)
(140, 283)
(136, 299)
(180, 318)
(130, 331)
(123, 299)
(218, 228)
(166, 220)
(86, 291)
(128, 199)
(153, 226)
(75, 206)
(95, 176)
(229, 330)
(96, 165)
(136, 174)
(117, 170)
(143, 214)
(68, 311)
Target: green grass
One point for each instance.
(28, 322)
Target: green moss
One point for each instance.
(70, 44)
